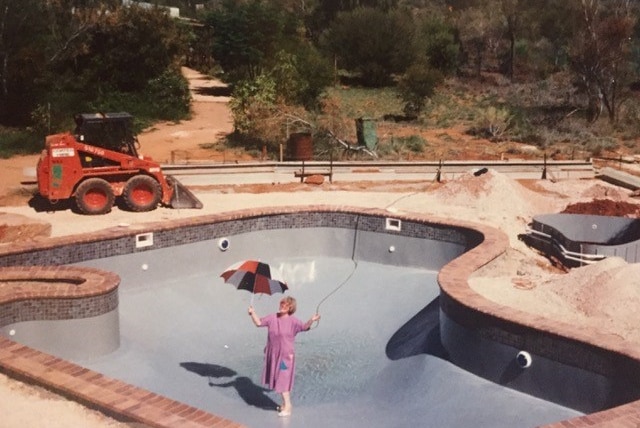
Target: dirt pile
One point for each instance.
(606, 207)
(604, 295)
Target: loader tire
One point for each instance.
(94, 197)
(142, 193)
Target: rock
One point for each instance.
(15, 227)
(316, 179)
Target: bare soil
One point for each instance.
(605, 207)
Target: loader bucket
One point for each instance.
(182, 197)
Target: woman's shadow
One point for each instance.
(252, 394)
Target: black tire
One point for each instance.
(142, 193)
(94, 196)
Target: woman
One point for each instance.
(279, 353)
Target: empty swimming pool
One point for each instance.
(186, 335)
(375, 359)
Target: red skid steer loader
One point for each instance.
(99, 162)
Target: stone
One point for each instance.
(316, 179)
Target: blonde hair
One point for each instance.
(292, 304)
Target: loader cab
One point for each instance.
(111, 131)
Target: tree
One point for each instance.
(513, 12)
(23, 46)
(59, 56)
(416, 85)
(438, 42)
(600, 55)
(478, 32)
(372, 43)
(247, 36)
(257, 40)
(129, 48)
(302, 77)
(323, 12)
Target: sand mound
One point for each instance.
(491, 189)
(606, 293)
(491, 198)
(600, 191)
(604, 296)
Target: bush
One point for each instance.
(169, 96)
(19, 142)
(166, 98)
(492, 122)
(402, 147)
(418, 84)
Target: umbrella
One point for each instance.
(254, 276)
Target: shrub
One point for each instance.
(19, 142)
(492, 122)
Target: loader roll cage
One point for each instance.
(111, 131)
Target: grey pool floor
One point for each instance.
(368, 362)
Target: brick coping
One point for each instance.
(17, 283)
(129, 403)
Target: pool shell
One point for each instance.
(591, 350)
(579, 239)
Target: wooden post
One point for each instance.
(331, 165)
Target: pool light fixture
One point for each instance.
(523, 359)
(223, 244)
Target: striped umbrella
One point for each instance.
(254, 276)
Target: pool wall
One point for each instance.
(68, 311)
(482, 325)
(580, 239)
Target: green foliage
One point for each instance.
(492, 122)
(166, 97)
(259, 38)
(301, 78)
(372, 43)
(366, 102)
(169, 95)
(251, 102)
(67, 57)
(438, 41)
(14, 142)
(23, 48)
(417, 84)
(403, 147)
(247, 36)
(129, 48)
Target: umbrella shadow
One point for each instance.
(252, 394)
(420, 335)
(209, 370)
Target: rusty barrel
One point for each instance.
(300, 147)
